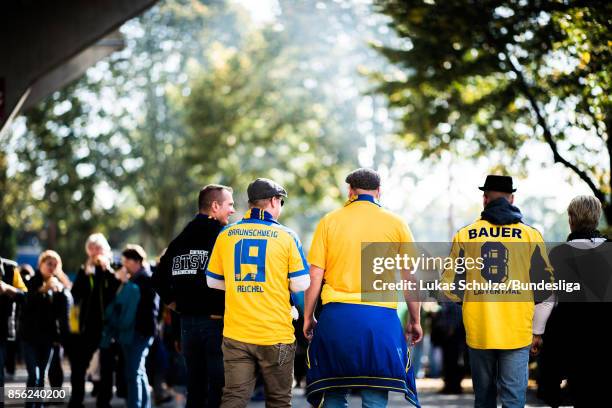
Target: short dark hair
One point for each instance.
(364, 179)
(134, 252)
(210, 194)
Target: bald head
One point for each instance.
(489, 196)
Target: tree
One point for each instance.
(249, 116)
(483, 75)
(64, 171)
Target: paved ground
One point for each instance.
(428, 395)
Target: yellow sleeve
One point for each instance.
(318, 248)
(215, 264)
(406, 241)
(18, 282)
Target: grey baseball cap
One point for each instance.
(263, 188)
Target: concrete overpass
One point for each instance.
(47, 44)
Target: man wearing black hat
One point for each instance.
(180, 281)
(258, 261)
(502, 323)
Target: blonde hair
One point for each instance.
(584, 212)
(50, 254)
(99, 240)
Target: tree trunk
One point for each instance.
(607, 210)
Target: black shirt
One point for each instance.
(148, 306)
(180, 276)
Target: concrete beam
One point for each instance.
(41, 36)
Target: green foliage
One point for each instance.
(199, 95)
(65, 170)
(494, 75)
(249, 118)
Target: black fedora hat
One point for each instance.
(498, 183)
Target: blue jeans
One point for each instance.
(201, 339)
(37, 360)
(135, 356)
(338, 398)
(506, 368)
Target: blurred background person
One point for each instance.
(56, 370)
(448, 333)
(586, 258)
(119, 322)
(12, 288)
(134, 259)
(12, 309)
(93, 290)
(44, 321)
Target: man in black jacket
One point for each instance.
(181, 283)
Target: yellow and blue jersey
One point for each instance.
(256, 259)
(337, 245)
(497, 319)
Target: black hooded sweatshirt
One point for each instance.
(180, 276)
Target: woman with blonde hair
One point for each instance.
(44, 319)
(94, 289)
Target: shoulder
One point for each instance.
(332, 215)
(288, 232)
(533, 232)
(223, 232)
(391, 217)
(463, 231)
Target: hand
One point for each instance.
(102, 261)
(536, 345)
(177, 346)
(414, 333)
(309, 325)
(52, 284)
(172, 306)
(3, 286)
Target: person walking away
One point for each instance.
(258, 262)
(374, 358)
(502, 326)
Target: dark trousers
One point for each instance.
(37, 357)
(10, 356)
(201, 339)
(2, 357)
(56, 371)
(80, 351)
(453, 355)
(111, 365)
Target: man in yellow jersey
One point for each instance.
(258, 261)
(499, 319)
(356, 344)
